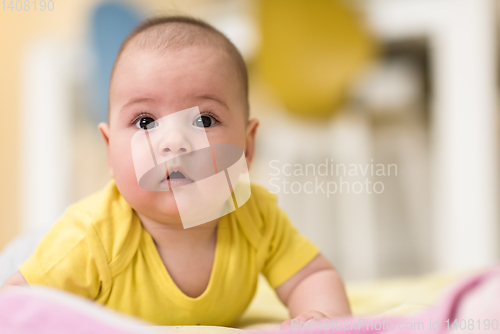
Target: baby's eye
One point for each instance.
(146, 123)
(204, 121)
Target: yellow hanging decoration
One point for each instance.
(311, 52)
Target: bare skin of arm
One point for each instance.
(15, 280)
(315, 293)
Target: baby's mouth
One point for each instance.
(176, 179)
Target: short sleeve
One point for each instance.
(70, 257)
(288, 250)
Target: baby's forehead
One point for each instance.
(152, 67)
(189, 53)
(175, 40)
(186, 75)
(176, 36)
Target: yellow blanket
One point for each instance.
(392, 296)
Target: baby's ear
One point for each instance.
(104, 130)
(252, 126)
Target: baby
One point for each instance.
(126, 248)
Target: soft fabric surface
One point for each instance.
(401, 295)
(395, 296)
(43, 311)
(475, 301)
(40, 310)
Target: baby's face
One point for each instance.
(147, 86)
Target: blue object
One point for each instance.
(111, 22)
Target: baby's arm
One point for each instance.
(315, 292)
(16, 279)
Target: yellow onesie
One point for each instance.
(99, 250)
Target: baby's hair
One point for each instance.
(177, 32)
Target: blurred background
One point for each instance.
(362, 84)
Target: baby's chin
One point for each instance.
(159, 206)
(164, 205)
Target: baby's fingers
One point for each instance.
(286, 324)
(303, 320)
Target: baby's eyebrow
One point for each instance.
(138, 100)
(213, 97)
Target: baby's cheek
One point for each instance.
(136, 197)
(121, 153)
(124, 171)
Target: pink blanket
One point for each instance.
(474, 304)
(38, 310)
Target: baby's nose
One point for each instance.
(175, 149)
(174, 145)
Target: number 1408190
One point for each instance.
(27, 5)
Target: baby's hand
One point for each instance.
(302, 319)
